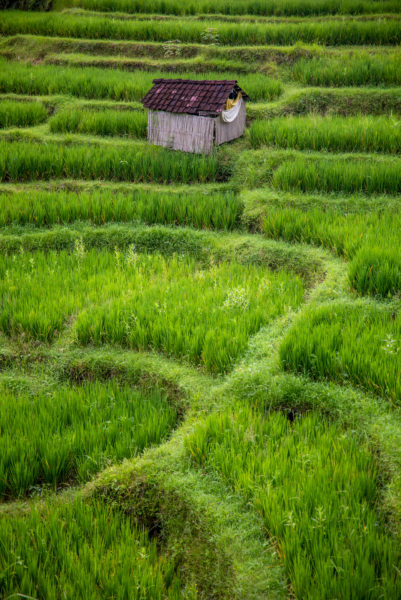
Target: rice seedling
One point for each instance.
(243, 7)
(144, 301)
(204, 316)
(78, 550)
(93, 82)
(358, 343)
(199, 208)
(376, 270)
(316, 487)
(72, 434)
(357, 70)
(337, 134)
(22, 161)
(385, 31)
(338, 175)
(107, 122)
(21, 114)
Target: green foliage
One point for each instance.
(92, 82)
(331, 32)
(337, 134)
(27, 4)
(243, 7)
(199, 208)
(74, 433)
(315, 487)
(21, 114)
(367, 69)
(74, 550)
(348, 342)
(107, 122)
(21, 161)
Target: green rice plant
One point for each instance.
(351, 70)
(78, 550)
(22, 161)
(376, 270)
(102, 122)
(340, 175)
(348, 343)
(203, 315)
(244, 7)
(21, 114)
(385, 31)
(337, 134)
(93, 82)
(174, 305)
(316, 488)
(199, 208)
(72, 434)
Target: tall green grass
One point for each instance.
(244, 7)
(93, 82)
(348, 343)
(377, 32)
(338, 134)
(102, 122)
(199, 208)
(21, 114)
(316, 488)
(75, 432)
(368, 69)
(22, 161)
(75, 550)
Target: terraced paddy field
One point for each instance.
(200, 356)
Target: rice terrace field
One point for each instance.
(200, 355)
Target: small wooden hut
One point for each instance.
(194, 115)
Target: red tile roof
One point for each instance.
(189, 96)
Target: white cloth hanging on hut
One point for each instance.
(228, 116)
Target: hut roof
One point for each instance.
(190, 96)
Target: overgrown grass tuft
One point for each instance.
(72, 434)
(316, 489)
(75, 550)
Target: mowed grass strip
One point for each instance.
(93, 82)
(348, 343)
(348, 70)
(300, 8)
(337, 134)
(21, 114)
(22, 161)
(199, 208)
(205, 315)
(385, 31)
(72, 434)
(316, 488)
(95, 551)
(101, 122)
